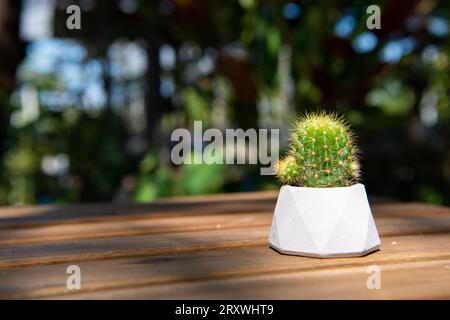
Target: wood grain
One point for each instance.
(429, 279)
(389, 221)
(206, 234)
(143, 226)
(210, 247)
(41, 281)
(21, 217)
(134, 246)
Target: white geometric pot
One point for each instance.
(323, 222)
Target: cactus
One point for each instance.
(322, 154)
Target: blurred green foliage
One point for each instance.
(239, 64)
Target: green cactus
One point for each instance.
(287, 170)
(322, 154)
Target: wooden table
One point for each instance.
(208, 248)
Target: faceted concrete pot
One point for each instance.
(323, 222)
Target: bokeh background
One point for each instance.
(86, 115)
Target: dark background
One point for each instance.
(86, 115)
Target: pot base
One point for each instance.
(325, 256)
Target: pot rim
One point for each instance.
(356, 185)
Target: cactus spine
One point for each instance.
(322, 154)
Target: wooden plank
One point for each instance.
(401, 224)
(407, 224)
(201, 237)
(14, 217)
(412, 209)
(181, 243)
(145, 226)
(241, 262)
(109, 248)
(419, 280)
(22, 217)
(391, 219)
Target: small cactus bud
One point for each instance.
(287, 170)
(355, 170)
